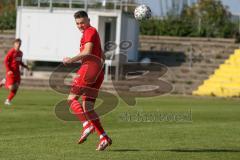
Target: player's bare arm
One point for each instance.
(24, 65)
(87, 51)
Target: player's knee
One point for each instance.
(71, 98)
(70, 101)
(14, 87)
(11, 87)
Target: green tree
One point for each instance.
(7, 14)
(212, 18)
(207, 18)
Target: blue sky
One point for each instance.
(234, 5)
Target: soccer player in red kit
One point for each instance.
(88, 81)
(13, 61)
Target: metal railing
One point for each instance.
(94, 4)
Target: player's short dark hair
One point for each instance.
(18, 40)
(80, 14)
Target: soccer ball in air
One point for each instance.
(142, 12)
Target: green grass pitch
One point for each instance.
(29, 130)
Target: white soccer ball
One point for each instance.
(142, 12)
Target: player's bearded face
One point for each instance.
(82, 23)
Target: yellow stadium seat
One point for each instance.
(225, 82)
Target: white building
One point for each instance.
(49, 32)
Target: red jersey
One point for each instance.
(13, 60)
(91, 35)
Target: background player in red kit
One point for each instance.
(88, 81)
(12, 62)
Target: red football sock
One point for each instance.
(12, 94)
(78, 110)
(98, 126)
(94, 119)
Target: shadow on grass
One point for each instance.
(203, 150)
(199, 150)
(125, 150)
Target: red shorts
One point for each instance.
(88, 82)
(12, 79)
